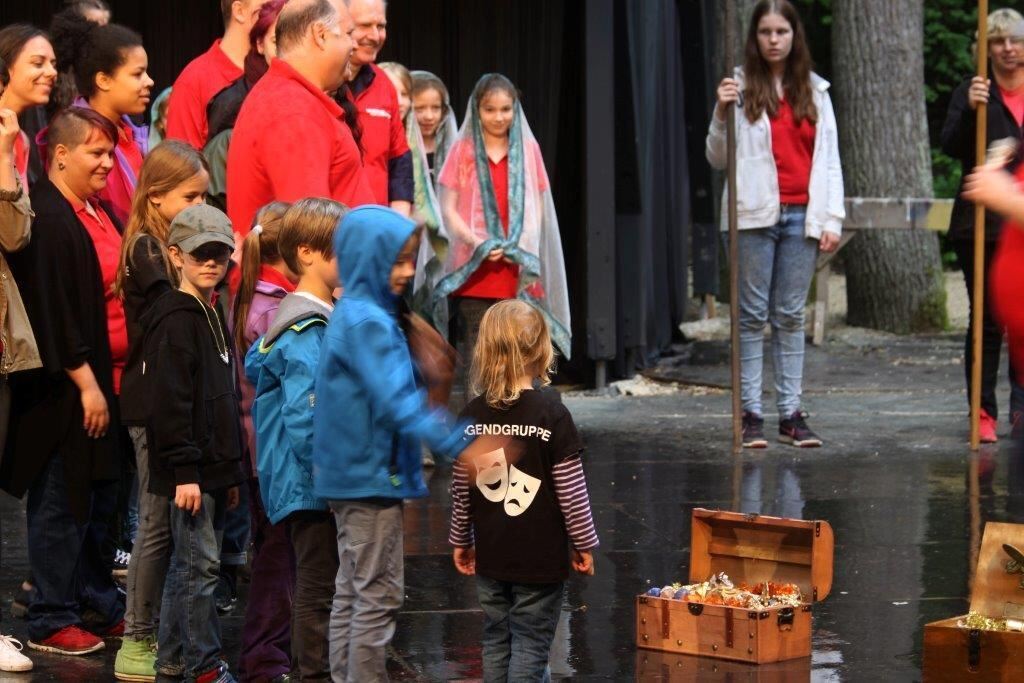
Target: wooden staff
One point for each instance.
(978, 300)
(734, 247)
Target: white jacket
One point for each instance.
(757, 179)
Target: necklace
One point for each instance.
(218, 334)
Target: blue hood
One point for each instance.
(367, 243)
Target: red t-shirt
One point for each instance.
(793, 148)
(204, 77)
(1007, 285)
(383, 135)
(291, 142)
(121, 181)
(1014, 101)
(107, 241)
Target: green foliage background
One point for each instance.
(949, 28)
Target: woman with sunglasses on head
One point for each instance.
(1003, 94)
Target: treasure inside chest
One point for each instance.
(988, 643)
(752, 550)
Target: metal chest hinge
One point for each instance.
(728, 627)
(973, 649)
(814, 594)
(817, 529)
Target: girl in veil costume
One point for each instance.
(497, 206)
(426, 207)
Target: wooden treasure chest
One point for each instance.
(753, 550)
(987, 644)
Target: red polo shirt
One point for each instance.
(204, 77)
(122, 180)
(383, 135)
(291, 142)
(107, 241)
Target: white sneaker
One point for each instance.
(11, 658)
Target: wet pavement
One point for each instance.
(905, 497)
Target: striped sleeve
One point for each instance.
(460, 532)
(571, 491)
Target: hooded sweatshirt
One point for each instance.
(281, 365)
(371, 415)
(195, 436)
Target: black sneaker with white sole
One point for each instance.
(753, 431)
(794, 431)
(120, 567)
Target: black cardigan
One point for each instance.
(60, 280)
(958, 134)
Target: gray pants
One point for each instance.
(369, 589)
(151, 553)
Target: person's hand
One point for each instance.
(990, 186)
(495, 254)
(978, 92)
(583, 562)
(189, 498)
(9, 130)
(829, 242)
(728, 93)
(96, 415)
(233, 497)
(465, 560)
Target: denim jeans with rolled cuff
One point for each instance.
(189, 640)
(776, 267)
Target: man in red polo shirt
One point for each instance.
(290, 140)
(211, 72)
(386, 155)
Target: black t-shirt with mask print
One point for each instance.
(518, 526)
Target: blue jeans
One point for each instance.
(519, 627)
(237, 524)
(776, 267)
(189, 637)
(68, 570)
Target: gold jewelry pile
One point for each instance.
(977, 622)
(719, 590)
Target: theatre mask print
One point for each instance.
(522, 489)
(492, 475)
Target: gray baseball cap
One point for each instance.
(198, 225)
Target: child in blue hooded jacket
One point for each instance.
(282, 367)
(370, 419)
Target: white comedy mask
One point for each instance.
(492, 475)
(522, 489)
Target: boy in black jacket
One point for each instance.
(195, 439)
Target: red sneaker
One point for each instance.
(115, 631)
(70, 640)
(987, 428)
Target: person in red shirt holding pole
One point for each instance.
(211, 72)
(386, 156)
(290, 139)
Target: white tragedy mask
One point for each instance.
(522, 489)
(492, 475)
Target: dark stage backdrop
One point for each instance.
(539, 45)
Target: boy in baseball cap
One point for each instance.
(195, 439)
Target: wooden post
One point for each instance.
(734, 246)
(978, 301)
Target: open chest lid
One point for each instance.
(753, 549)
(997, 592)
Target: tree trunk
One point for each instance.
(894, 278)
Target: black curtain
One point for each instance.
(653, 192)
